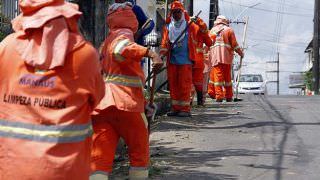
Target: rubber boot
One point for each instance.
(184, 114)
(172, 113)
(200, 98)
(229, 99)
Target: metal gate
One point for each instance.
(10, 8)
(153, 41)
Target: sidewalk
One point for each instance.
(191, 148)
(188, 148)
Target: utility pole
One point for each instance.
(244, 40)
(214, 12)
(278, 74)
(316, 48)
(191, 8)
(276, 71)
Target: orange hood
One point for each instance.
(177, 5)
(121, 16)
(46, 32)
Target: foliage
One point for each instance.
(5, 27)
(308, 76)
(2, 36)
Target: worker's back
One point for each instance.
(50, 83)
(45, 123)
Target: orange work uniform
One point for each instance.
(206, 75)
(121, 112)
(180, 75)
(45, 127)
(198, 68)
(221, 57)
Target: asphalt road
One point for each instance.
(260, 138)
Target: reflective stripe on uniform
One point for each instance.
(237, 47)
(45, 133)
(211, 82)
(40, 71)
(228, 84)
(130, 81)
(118, 49)
(216, 32)
(219, 83)
(204, 30)
(199, 50)
(194, 41)
(99, 175)
(100, 172)
(213, 32)
(164, 50)
(180, 103)
(221, 44)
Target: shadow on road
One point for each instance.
(182, 163)
(174, 163)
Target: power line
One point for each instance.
(272, 11)
(269, 35)
(281, 43)
(297, 43)
(289, 5)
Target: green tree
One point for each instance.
(308, 76)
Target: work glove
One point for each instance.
(157, 63)
(194, 19)
(240, 52)
(163, 58)
(202, 25)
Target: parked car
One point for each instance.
(251, 83)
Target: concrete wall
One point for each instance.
(149, 7)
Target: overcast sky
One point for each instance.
(295, 29)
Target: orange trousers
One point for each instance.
(180, 83)
(211, 90)
(205, 85)
(221, 78)
(108, 127)
(197, 78)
